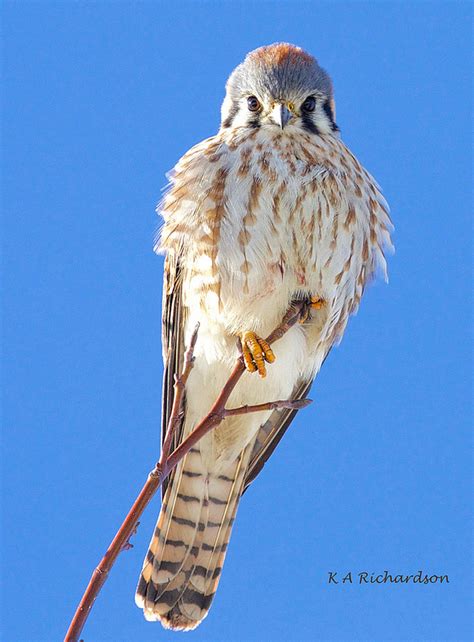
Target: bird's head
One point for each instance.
(280, 86)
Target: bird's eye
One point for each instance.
(253, 103)
(309, 104)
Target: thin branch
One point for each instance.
(168, 461)
(179, 388)
(296, 404)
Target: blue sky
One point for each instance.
(101, 100)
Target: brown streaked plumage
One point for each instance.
(272, 208)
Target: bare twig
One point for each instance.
(169, 460)
(179, 387)
(296, 404)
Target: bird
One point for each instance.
(273, 208)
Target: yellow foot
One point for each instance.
(315, 303)
(256, 351)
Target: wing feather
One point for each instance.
(173, 342)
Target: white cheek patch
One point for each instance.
(321, 120)
(241, 118)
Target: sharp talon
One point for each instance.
(256, 351)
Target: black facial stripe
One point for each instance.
(255, 121)
(308, 124)
(330, 115)
(232, 114)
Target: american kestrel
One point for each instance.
(272, 208)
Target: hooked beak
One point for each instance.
(281, 115)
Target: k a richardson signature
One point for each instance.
(363, 577)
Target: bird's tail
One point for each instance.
(184, 562)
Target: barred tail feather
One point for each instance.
(183, 565)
